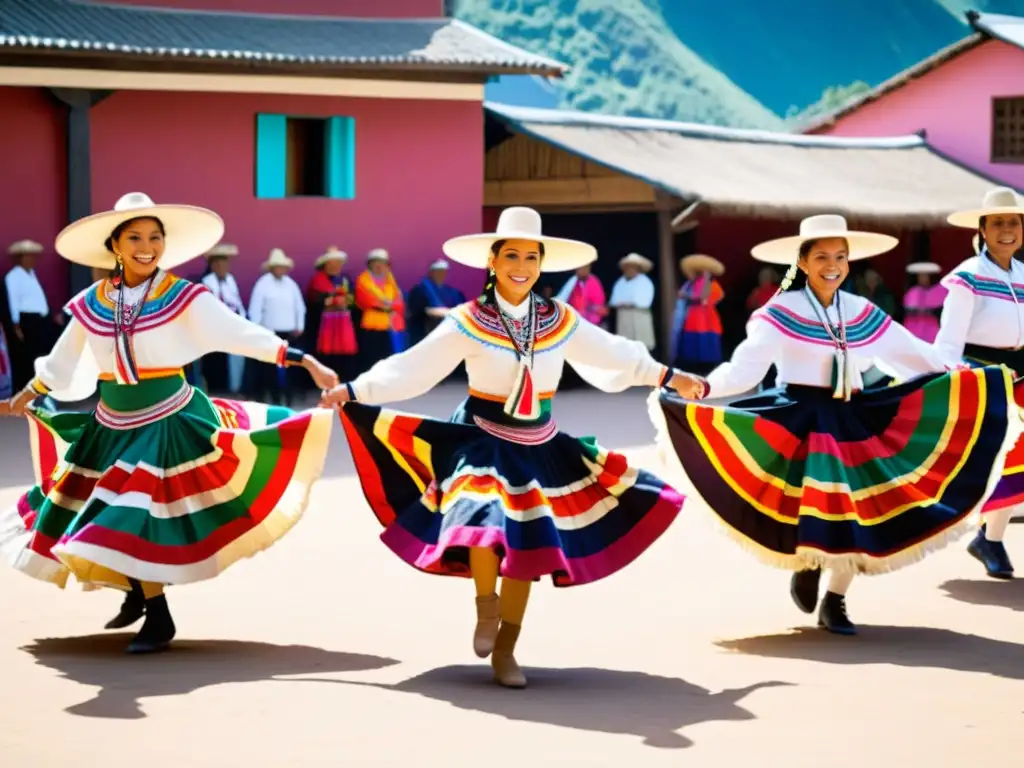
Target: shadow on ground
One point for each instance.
(650, 707)
(1000, 594)
(901, 646)
(123, 680)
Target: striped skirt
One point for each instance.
(803, 480)
(160, 484)
(548, 504)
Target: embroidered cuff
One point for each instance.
(289, 356)
(666, 376)
(38, 387)
(706, 390)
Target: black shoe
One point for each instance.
(991, 554)
(158, 629)
(832, 615)
(132, 609)
(803, 588)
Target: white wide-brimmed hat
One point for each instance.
(439, 264)
(331, 254)
(190, 231)
(378, 254)
(277, 259)
(698, 263)
(22, 247)
(924, 268)
(519, 223)
(222, 251)
(636, 260)
(785, 250)
(998, 200)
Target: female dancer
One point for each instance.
(156, 487)
(501, 490)
(825, 473)
(983, 322)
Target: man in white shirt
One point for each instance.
(277, 303)
(632, 297)
(223, 373)
(33, 330)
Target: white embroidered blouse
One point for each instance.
(984, 306)
(787, 332)
(180, 322)
(475, 335)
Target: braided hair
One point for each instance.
(487, 295)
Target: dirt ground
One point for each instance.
(328, 651)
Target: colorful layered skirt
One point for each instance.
(548, 504)
(160, 484)
(1010, 490)
(804, 480)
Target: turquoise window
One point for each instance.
(305, 157)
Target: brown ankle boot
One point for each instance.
(486, 625)
(506, 670)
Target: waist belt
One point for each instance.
(122, 420)
(1011, 358)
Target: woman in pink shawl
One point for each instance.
(584, 293)
(922, 303)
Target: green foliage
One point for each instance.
(834, 97)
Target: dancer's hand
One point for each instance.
(322, 376)
(16, 405)
(334, 396)
(687, 385)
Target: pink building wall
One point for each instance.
(33, 158)
(419, 175)
(953, 104)
(380, 9)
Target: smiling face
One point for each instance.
(826, 264)
(139, 245)
(516, 266)
(1003, 233)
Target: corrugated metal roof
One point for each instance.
(894, 181)
(1009, 29)
(64, 25)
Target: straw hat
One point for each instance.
(923, 268)
(331, 254)
(998, 200)
(191, 232)
(636, 260)
(277, 259)
(697, 263)
(519, 223)
(222, 251)
(24, 246)
(785, 250)
(439, 264)
(378, 254)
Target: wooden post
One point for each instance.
(79, 168)
(667, 284)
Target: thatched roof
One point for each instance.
(899, 181)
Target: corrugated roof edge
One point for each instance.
(525, 115)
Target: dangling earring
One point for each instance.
(115, 279)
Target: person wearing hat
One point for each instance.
(922, 302)
(380, 300)
(277, 304)
(158, 485)
(697, 327)
(982, 323)
(32, 326)
(329, 299)
(501, 491)
(826, 473)
(632, 298)
(430, 301)
(223, 373)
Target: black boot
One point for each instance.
(832, 615)
(991, 554)
(132, 609)
(803, 588)
(158, 629)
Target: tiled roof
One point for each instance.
(85, 27)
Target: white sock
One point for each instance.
(839, 581)
(996, 522)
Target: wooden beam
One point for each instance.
(666, 272)
(603, 190)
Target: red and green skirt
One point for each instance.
(161, 484)
(873, 484)
(549, 505)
